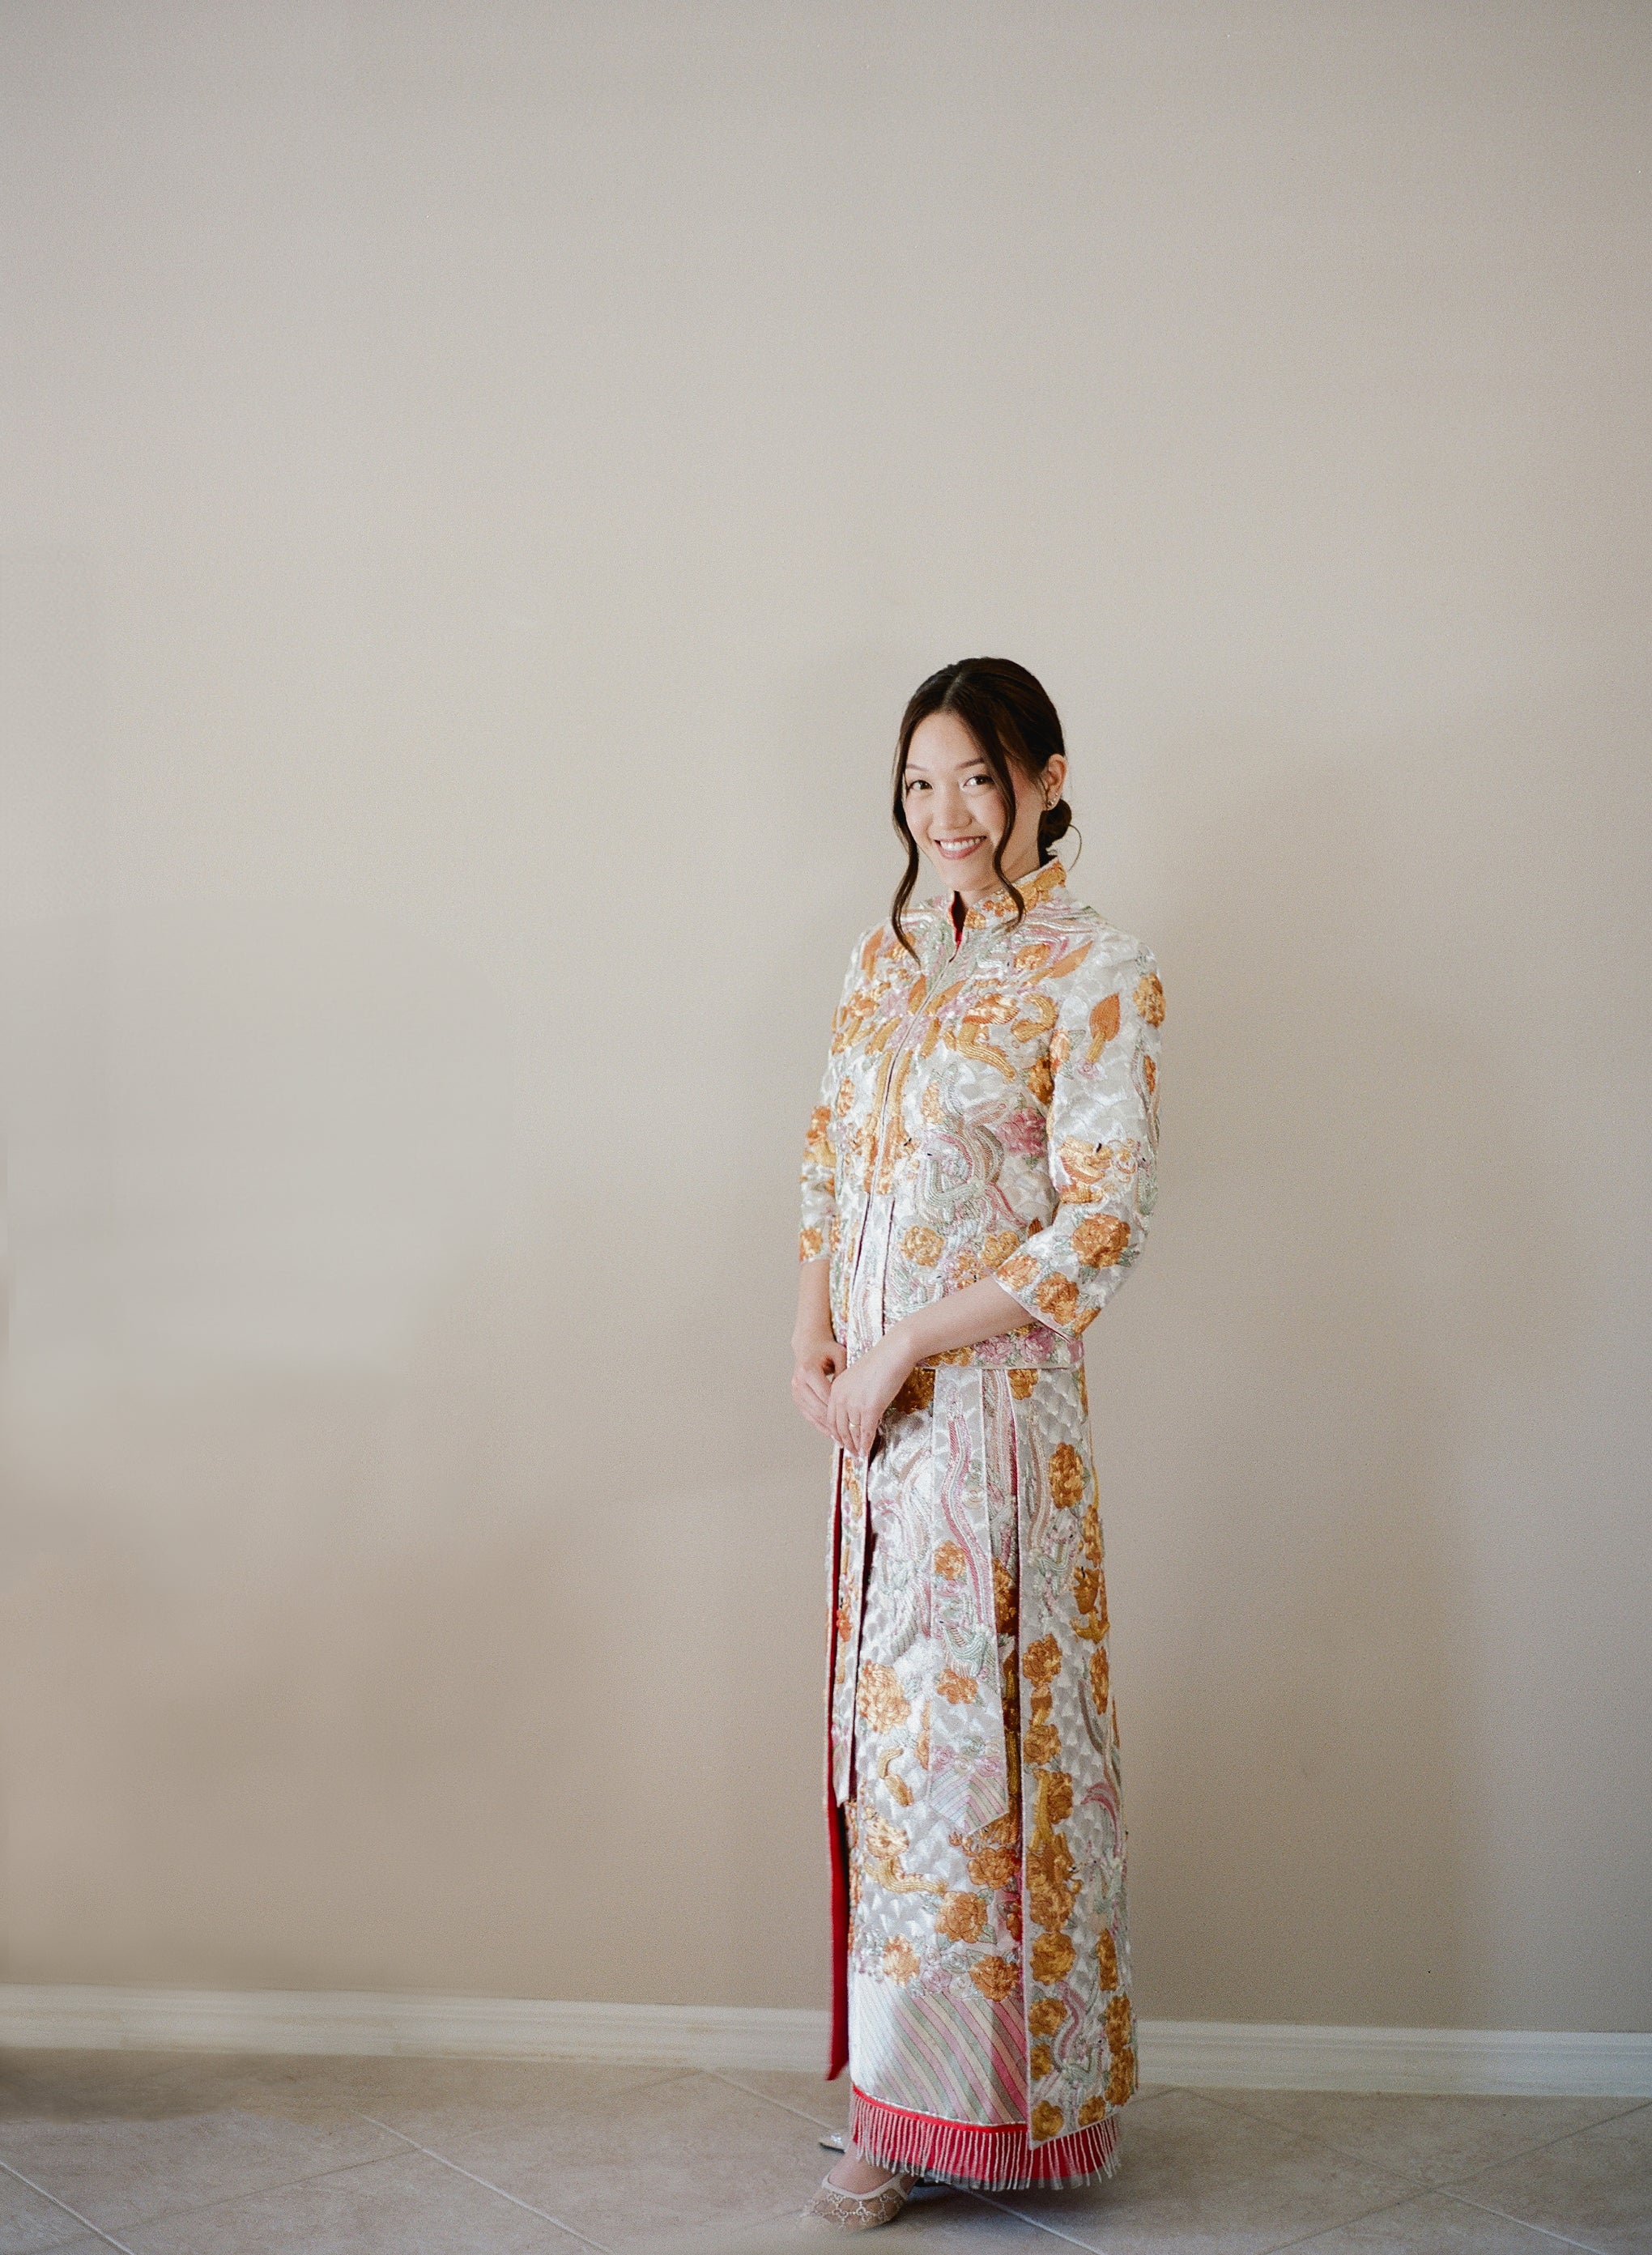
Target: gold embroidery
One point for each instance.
(962, 1918)
(1103, 1023)
(879, 1699)
(900, 1960)
(995, 1978)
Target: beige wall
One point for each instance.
(481, 483)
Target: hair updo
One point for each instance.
(1008, 711)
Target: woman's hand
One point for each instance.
(817, 1358)
(858, 1399)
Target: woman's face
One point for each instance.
(955, 812)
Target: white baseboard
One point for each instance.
(1230, 2054)
(1522, 2062)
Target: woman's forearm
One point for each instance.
(979, 1311)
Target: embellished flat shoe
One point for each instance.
(860, 2211)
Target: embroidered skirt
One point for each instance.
(984, 1962)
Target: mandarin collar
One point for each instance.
(996, 904)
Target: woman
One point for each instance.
(976, 1183)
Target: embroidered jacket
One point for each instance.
(991, 1110)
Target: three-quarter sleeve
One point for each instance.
(818, 1199)
(1103, 1138)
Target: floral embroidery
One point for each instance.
(879, 1700)
(901, 1961)
(1053, 1956)
(1099, 1240)
(991, 1110)
(1149, 1000)
(1066, 1475)
(995, 1978)
(962, 1918)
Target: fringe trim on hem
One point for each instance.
(977, 2156)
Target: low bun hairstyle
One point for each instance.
(1008, 712)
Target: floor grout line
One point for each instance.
(1324, 2230)
(1484, 2208)
(107, 2237)
(815, 2121)
(543, 2215)
(1090, 2246)
(1432, 2184)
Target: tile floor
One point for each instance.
(177, 2154)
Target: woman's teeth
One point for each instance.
(958, 849)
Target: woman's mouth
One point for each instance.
(957, 849)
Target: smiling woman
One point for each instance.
(977, 1180)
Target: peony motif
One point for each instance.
(1150, 999)
(923, 1246)
(1047, 2015)
(1057, 1298)
(1053, 1956)
(1067, 1481)
(810, 1244)
(1086, 1588)
(1121, 2080)
(1041, 1662)
(1042, 1744)
(993, 1854)
(1041, 2062)
(879, 1699)
(900, 1961)
(817, 1141)
(1046, 2121)
(950, 1561)
(1100, 1679)
(962, 1691)
(1041, 1079)
(1117, 2022)
(1106, 1961)
(1005, 1610)
(962, 1918)
(1052, 1884)
(1022, 1383)
(1100, 1240)
(1090, 1535)
(1094, 2109)
(996, 1978)
(998, 1247)
(1016, 1275)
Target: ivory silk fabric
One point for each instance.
(989, 1110)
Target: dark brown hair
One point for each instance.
(1008, 711)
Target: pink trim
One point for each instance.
(985, 2156)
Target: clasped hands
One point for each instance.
(846, 1399)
